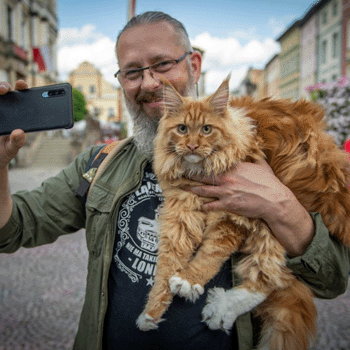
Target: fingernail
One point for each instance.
(4, 86)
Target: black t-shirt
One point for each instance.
(132, 276)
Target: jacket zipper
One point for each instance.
(109, 250)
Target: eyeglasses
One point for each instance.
(133, 75)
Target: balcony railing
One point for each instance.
(10, 49)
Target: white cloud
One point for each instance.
(214, 78)
(224, 55)
(78, 45)
(249, 34)
(73, 36)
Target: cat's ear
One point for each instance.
(171, 98)
(219, 99)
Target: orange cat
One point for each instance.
(209, 137)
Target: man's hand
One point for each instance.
(249, 189)
(11, 144)
(252, 190)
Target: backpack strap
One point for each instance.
(94, 163)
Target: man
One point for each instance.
(121, 211)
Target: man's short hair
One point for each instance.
(150, 17)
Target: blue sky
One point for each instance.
(235, 34)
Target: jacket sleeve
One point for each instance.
(51, 210)
(324, 266)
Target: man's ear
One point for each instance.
(219, 99)
(196, 65)
(171, 98)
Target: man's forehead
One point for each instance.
(148, 40)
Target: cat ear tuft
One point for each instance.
(219, 99)
(172, 99)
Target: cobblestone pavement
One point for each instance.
(42, 292)
(41, 295)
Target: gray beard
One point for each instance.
(145, 128)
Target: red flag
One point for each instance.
(42, 57)
(346, 146)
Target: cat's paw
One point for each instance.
(216, 313)
(145, 322)
(223, 307)
(183, 288)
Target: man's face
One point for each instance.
(144, 45)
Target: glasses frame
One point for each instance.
(116, 75)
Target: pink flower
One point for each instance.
(343, 81)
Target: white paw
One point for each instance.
(223, 307)
(145, 322)
(215, 313)
(184, 289)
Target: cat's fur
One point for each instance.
(193, 245)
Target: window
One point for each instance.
(96, 111)
(92, 89)
(334, 77)
(335, 38)
(80, 88)
(348, 34)
(324, 18)
(24, 32)
(10, 23)
(4, 75)
(335, 8)
(111, 112)
(324, 51)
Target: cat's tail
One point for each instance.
(289, 319)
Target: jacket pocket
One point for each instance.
(98, 207)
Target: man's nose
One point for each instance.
(149, 81)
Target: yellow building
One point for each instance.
(252, 84)
(104, 100)
(24, 25)
(290, 62)
(272, 77)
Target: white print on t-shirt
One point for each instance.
(136, 253)
(147, 233)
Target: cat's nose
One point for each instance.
(192, 147)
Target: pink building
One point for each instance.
(308, 54)
(309, 44)
(346, 39)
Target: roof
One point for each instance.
(313, 9)
(295, 24)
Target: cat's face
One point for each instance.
(202, 136)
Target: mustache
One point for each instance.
(146, 96)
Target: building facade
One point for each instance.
(272, 77)
(251, 84)
(329, 41)
(104, 100)
(24, 25)
(315, 48)
(308, 54)
(345, 69)
(290, 62)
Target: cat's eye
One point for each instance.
(182, 129)
(206, 129)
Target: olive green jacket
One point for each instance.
(41, 216)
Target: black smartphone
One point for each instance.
(36, 109)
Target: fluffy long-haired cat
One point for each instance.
(209, 137)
